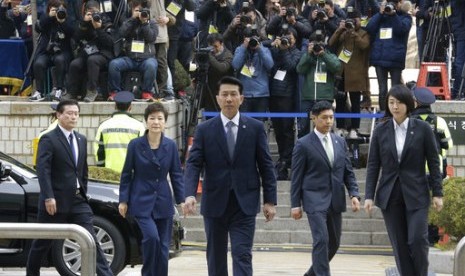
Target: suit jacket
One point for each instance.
(251, 168)
(420, 146)
(316, 184)
(57, 171)
(144, 185)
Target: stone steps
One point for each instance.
(358, 229)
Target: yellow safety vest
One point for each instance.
(112, 139)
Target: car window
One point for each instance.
(17, 166)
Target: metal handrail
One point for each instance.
(459, 259)
(56, 231)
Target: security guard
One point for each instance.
(424, 98)
(114, 134)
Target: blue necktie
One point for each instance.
(71, 145)
(230, 139)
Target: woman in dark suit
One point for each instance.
(399, 147)
(145, 193)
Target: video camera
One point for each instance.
(5, 170)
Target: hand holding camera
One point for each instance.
(97, 20)
(291, 14)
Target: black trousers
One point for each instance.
(80, 214)
(354, 108)
(43, 62)
(408, 232)
(283, 127)
(85, 68)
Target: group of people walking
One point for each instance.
(231, 151)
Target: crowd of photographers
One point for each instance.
(289, 54)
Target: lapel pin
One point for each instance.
(243, 126)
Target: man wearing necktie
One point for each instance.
(320, 170)
(237, 166)
(62, 173)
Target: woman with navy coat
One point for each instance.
(145, 192)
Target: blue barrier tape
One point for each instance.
(298, 115)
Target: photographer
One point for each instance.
(253, 64)
(312, 5)
(283, 90)
(319, 67)
(53, 49)
(94, 52)
(180, 45)
(139, 32)
(367, 9)
(353, 49)
(389, 30)
(214, 16)
(242, 23)
(289, 15)
(21, 15)
(325, 19)
(7, 26)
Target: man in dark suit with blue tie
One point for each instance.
(233, 151)
(320, 170)
(62, 173)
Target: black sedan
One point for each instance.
(119, 238)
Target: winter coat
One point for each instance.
(133, 29)
(257, 85)
(285, 60)
(356, 70)
(307, 66)
(389, 53)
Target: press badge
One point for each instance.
(247, 71)
(320, 77)
(189, 16)
(345, 55)
(137, 46)
(212, 29)
(173, 8)
(280, 75)
(385, 33)
(364, 21)
(106, 6)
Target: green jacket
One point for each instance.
(327, 63)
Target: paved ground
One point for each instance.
(192, 262)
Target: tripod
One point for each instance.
(439, 33)
(194, 102)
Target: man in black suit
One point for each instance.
(62, 173)
(320, 170)
(233, 150)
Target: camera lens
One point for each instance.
(253, 42)
(320, 14)
(144, 13)
(96, 17)
(317, 47)
(61, 13)
(349, 24)
(284, 41)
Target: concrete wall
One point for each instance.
(20, 122)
